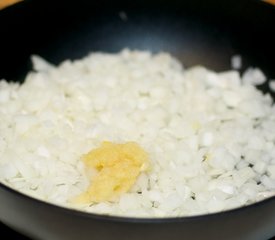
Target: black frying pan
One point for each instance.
(196, 32)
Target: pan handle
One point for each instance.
(6, 3)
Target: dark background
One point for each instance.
(9, 234)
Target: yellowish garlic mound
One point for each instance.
(117, 166)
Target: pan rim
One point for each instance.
(136, 220)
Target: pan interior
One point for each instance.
(196, 33)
